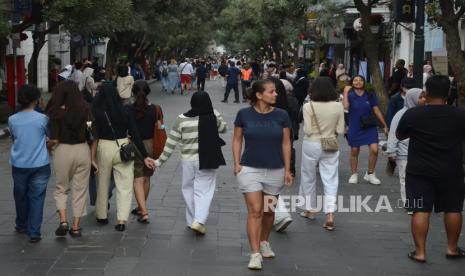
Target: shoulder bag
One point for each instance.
(159, 133)
(328, 144)
(127, 151)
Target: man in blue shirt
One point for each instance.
(232, 82)
(396, 102)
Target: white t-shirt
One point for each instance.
(186, 68)
(76, 76)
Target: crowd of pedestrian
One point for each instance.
(103, 134)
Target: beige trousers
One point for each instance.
(108, 159)
(72, 169)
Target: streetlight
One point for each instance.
(419, 44)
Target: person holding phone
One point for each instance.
(265, 165)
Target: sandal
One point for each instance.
(412, 256)
(75, 233)
(136, 211)
(460, 254)
(62, 229)
(305, 215)
(329, 225)
(144, 219)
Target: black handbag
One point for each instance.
(127, 151)
(368, 121)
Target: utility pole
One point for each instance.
(419, 44)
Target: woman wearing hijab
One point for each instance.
(398, 150)
(88, 82)
(124, 83)
(197, 131)
(66, 73)
(301, 86)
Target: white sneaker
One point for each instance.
(283, 224)
(265, 249)
(353, 179)
(372, 179)
(255, 262)
(199, 228)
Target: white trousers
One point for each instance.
(402, 165)
(198, 187)
(313, 155)
(281, 211)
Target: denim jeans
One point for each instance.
(30, 185)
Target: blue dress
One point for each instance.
(361, 106)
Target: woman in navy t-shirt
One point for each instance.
(362, 105)
(264, 166)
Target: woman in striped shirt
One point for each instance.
(197, 131)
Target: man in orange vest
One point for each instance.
(246, 79)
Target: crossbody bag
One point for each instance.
(127, 151)
(329, 144)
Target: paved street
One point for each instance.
(362, 244)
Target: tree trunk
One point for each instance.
(317, 56)
(455, 55)
(38, 43)
(372, 53)
(371, 46)
(111, 59)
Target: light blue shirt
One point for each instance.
(29, 132)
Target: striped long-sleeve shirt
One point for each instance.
(185, 131)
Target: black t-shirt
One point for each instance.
(399, 75)
(146, 124)
(436, 135)
(121, 128)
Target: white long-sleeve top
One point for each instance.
(395, 147)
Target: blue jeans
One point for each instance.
(30, 185)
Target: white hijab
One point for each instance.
(87, 73)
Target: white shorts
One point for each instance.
(270, 181)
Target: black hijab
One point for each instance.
(210, 143)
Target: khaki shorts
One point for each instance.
(270, 181)
(140, 169)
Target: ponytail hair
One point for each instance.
(257, 87)
(140, 90)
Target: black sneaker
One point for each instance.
(35, 239)
(224, 101)
(62, 229)
(102, 221)
(120, 227)
(20, 230)
(236, 102)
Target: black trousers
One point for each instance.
(228, 90)
(201, 84)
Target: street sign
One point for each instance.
(404, 11)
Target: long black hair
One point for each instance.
(281, 100)
(108, 100)
(140, 90)
(67, 97)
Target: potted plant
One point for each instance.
(375, 21)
